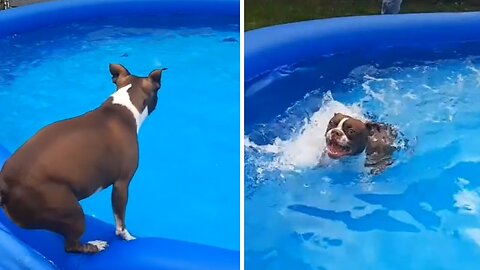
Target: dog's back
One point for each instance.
(62, 153)
(380, 147)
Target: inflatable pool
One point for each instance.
(23, 249)
(418, 72)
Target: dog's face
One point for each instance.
(345, 136)
(144, 89)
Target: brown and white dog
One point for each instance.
(347, 136)
(67, 161)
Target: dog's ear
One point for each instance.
(118, 71)
(335, 114)
(373, 127)
(156, 75)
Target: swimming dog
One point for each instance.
(348, 136)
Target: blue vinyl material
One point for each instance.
(271, 47)
(33, 249)
(59, 12)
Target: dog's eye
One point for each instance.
(330, 123)
(351, 131)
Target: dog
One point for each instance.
(348, 136)
(67, 161)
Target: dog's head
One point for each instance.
(143, 90)
(346, 136)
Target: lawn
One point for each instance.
(261, 13)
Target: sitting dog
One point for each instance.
(67, 161)
(347, 136)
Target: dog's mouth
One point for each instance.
(336, 151)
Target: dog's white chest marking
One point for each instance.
(121, 97)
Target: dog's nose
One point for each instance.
(336, 132)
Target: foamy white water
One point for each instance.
(306, 146)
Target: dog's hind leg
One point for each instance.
(73, 231)
(65, 217)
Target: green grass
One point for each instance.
(261, 13)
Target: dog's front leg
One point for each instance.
(119, 203)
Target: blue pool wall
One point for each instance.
(60, 12)
(38, 249)
(269, 48)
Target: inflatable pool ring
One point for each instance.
(272, 47)
(38, 249)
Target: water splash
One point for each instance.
(305, 147)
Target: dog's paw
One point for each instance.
(124, 234)
(101, 245)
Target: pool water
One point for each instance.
(186, 187)
(422, 213)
